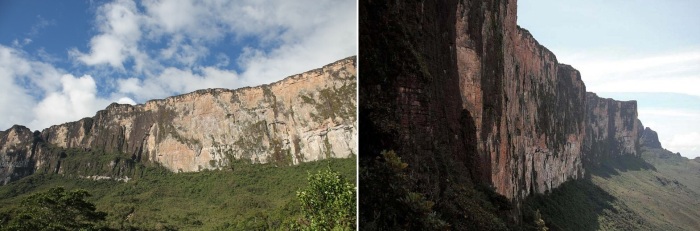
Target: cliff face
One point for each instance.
(16, 148)
(649, 138)
(613, 128)
(518, 119)
(409, 89)
(528, 108)
(305, 117)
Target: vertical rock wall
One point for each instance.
(613, 128)
(305, 117)
(528, 108)
(409, 89)
(457, 88)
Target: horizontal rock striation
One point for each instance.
(305, 117)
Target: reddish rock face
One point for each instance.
(612, 128)
(457, 88)
(528, 108)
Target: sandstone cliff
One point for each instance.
(305, 117)
(612, 128)
(474, 94)
(528, 108)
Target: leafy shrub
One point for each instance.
(328, 203)
(388, 203)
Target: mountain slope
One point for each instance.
(659, 191)
(667, 196)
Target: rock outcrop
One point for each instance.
(650, 139)
(517, 120)
(16, 146)
(305, 117)
(613, 128)
(528, 108)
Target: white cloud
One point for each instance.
(292, 37)
(675, 72)
(688, 144)
(174, 80)
(38, 95)
(126, 100)
(118, 23)
(155, 49)
(77, 99)
(609, 72)
(15, 100)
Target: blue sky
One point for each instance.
(64, 60)
(644, 50)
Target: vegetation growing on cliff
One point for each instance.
(395, 204)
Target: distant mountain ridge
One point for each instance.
(304, 117)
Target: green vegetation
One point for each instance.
(581, 205)
(328, 203)
(55, 209)
(395, 204)
(658, 191)
(248, 197)
(332, 102)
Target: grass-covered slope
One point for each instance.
(249, 197)
(660, 191)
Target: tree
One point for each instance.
(328, 203)
(56, 209)
(539, 222)
(390, 203)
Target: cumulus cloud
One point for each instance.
(163, 85)
(37, 94)
(15, 100)
(76, 99)
(155, 49)
(126, 100)
(281, 38)
(118, 23)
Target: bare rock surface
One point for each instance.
(304, 117)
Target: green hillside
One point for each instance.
(249, 197)
(660, 191)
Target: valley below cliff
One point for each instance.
(658, 191)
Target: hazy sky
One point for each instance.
(646, 50)
(64, 60)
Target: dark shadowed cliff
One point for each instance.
(473, 105)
